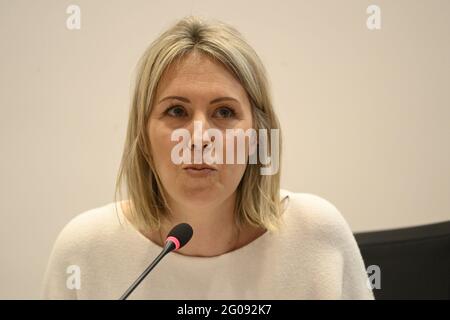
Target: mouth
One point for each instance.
(199, 167)
(199, 170)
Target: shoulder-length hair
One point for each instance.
(258, 196)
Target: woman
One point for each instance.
(251, 239)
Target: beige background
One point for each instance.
(365, 113)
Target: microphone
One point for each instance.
(176, 239)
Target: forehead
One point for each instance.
(198, 73)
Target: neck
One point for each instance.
(214, 228)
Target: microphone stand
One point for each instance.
(167, 248)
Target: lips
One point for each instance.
(200, 171)
(199, 167)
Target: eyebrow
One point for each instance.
(187, 100)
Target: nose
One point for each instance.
(198, 129)
(204, 145)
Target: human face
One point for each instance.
(199, 80)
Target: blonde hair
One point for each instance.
(258, 196)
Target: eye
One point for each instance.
(225, 112)
(175, 111)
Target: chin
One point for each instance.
(200, 191)
(198, 203)
(201, 196)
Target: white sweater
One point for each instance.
(313, 256)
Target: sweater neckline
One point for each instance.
(176, 255)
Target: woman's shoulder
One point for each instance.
(89, 227)
(314, 215)
(316, 225)
(309, 204)
(85, 238)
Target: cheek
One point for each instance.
(161, 145)
(231, 175)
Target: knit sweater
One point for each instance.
(314, 255)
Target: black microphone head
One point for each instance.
(180, 235)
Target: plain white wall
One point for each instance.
(365, 114)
